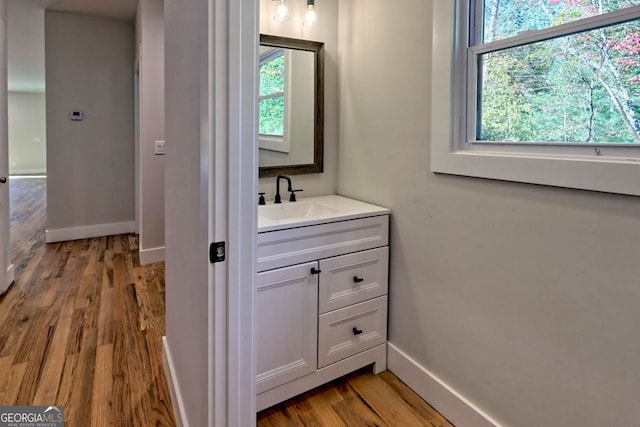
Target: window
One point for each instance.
(272, 101)
(548, 86)
(271, 98)
(556, 71)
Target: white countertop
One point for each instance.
(312, 211)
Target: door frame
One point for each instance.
(6, 269)
(232, 37)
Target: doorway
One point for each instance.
(26, 102)
(27, 219)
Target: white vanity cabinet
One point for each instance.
(321, 304)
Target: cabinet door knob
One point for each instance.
(357, 279)
(314, 271)
(356, 331)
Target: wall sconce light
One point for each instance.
(282, 12)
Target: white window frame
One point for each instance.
(610, 168)
(282, 143)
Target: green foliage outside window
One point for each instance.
(583, 87)
(271, 100)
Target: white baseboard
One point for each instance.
(27, 172)
(174, 390)
(149, 256)
(89, 231)
(441, 396)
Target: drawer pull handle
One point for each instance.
(357, 279)
(314, 271)
(356, 331)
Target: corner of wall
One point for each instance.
(451, 404)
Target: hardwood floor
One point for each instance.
(81, 328)
(358, 399)
(28, 218)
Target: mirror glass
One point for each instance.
(290, 106)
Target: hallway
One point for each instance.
(28, 218)
(82, 325)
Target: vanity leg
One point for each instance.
(380, 364)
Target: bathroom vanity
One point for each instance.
(320, 295)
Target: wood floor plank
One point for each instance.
(54, 363)
(48, 294)
(105, 317)
(161, 409)
(82, 394)
(413, 400)
(5, 368)
(278, 419)
(68, 382)
(323, 399)
(16, 321)
(299, 410)
(354, 412)
(311, 419)
(11, 386)
(101, 408)
(32, 351)
(88, 293)
(385, 402)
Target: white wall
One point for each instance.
(27, 133)
(89, 68)
(522, 298)
(150, 41)
(187, 262)
(326, 30)
(25, 31)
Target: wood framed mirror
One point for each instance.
(290, 106)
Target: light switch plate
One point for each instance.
(159, 151)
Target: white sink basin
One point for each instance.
(313, 210)
(295, 210)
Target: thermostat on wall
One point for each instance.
(76, 116)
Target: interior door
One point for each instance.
(6, 276)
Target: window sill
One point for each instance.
(611, 176)
(279, 144)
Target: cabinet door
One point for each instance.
(286, 315)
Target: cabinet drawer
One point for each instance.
(350, 330)
(297, 245)
(353, 278)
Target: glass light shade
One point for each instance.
(310, 16)
(282, 11)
